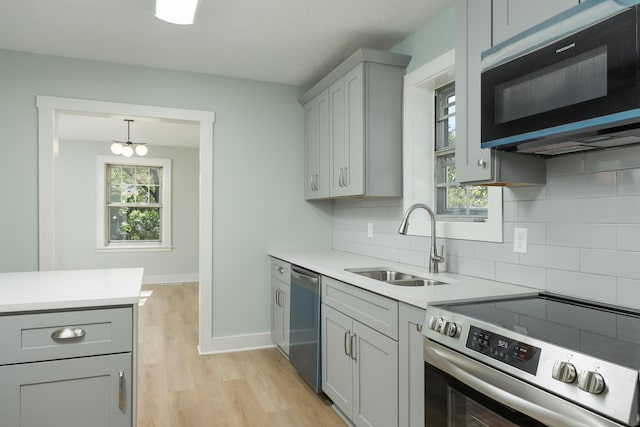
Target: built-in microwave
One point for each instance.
(576, 92)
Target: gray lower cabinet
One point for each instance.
(70, 368)
(88, 391)
(280, 298)
(411, 366)
(359, 363)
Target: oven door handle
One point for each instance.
(503, 388)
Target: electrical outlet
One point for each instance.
(370, 230)
(520, 240)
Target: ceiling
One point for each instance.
(293, 42)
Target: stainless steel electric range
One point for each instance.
(544, 360)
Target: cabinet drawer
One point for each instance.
(375, 311)
(32, 337)
(281, 270)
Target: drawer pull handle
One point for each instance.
(67, 334)
(121, 390)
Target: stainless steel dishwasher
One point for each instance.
(304, 323)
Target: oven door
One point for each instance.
(587, 75)
(460, 391)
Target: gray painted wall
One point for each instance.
(258, 168)
(76, 213)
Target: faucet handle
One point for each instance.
(439, 258)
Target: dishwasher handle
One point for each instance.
(305, 278)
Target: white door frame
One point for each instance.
(48, 109)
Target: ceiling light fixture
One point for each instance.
(126, 148)
(180, 12)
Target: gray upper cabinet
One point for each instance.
(353, 142)
(511, 17)
(316, 128)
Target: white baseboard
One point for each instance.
(236, 343)
(169, 278)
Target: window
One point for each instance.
(419, 158)
(134, 206)
(452, 199)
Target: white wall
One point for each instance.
(76, 215)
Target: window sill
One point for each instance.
(134, 248)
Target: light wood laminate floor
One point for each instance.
(178, 387)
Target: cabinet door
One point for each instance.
(511, 17)
(280, 314)
(337, 368)
(347, 133)
(77, 392)
(473, 35)
(411, 366)
(375, 382)
(316, 124)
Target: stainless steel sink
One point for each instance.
(393, 277)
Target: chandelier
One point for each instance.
(126, 148)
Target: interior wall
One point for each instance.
(258, 170)
(76, 214)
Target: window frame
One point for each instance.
(418, 158)
(102, 201)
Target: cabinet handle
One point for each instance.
(317, 182)
(278, 294)
(121, 391)
(482, 163)
(67, 334)
(280, 270)
(419, 327)
(346, 176)
(346, 352)
(352, 347)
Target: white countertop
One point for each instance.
(50, 290)
(459, 288)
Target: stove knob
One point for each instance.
(433, 323)
(564, 371)
(450, 329)
(591, 382)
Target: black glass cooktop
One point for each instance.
(607, 332)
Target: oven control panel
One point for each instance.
(504, 349)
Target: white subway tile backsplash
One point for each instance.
(471, 267)
(572, 164)
(610, 263)
(583, 231)
(628, 182)
(496, 252)
(601, 184)
(611, 160)
(548, 210)
(552, 257)
(510, 211)
(535, 277)
(628, 237)
(588, 286)
(597, 236)
(610, 210)
(628, 292)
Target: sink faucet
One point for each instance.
(434, 258)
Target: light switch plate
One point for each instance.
(520, 240)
